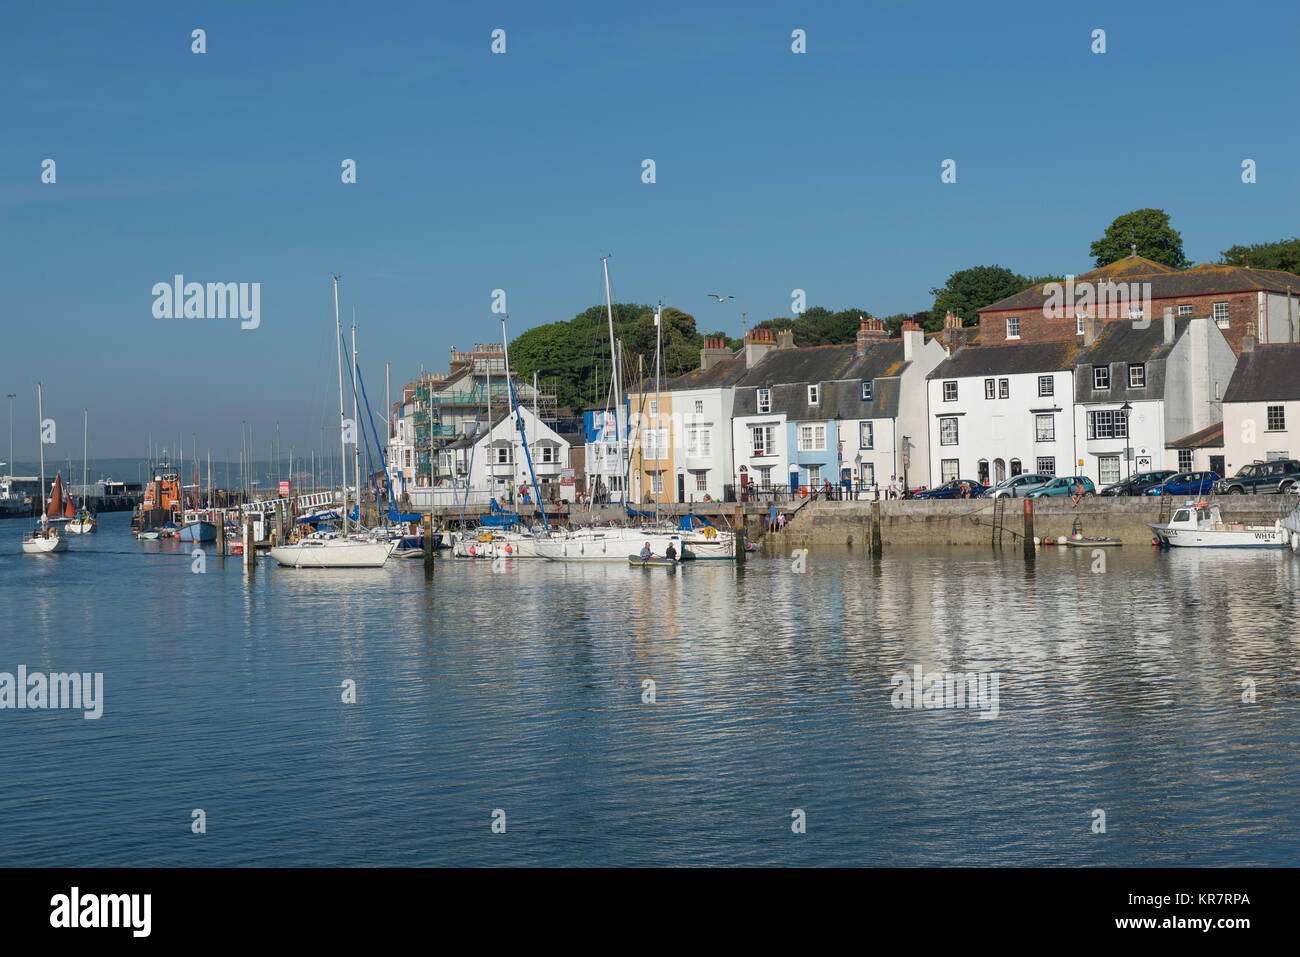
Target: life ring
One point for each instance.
(710, 531)
(803, 491)
(485, 536)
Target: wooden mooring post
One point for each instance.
(877, 546)
(221, 539)
(1029, 530)
(738, 536)
(428, 546)
(250, 547)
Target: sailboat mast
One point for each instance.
(40, 425)
(356, 419)
(659, 400)
(85, 444)
(343, 444)
(613, 357)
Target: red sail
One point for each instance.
(68, 510)
(56, 497)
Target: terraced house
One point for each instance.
(1231, 296)
(1261, 406)
(1140, 386)
(999, 411)
(684, 453)
(852, 415)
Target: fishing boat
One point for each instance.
(198, 525)
(1201, 525)
(330, 549)
(46, 538)
(160, 504)
(148, 535)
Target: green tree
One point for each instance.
(1149, 229)
(1283, 254)
(969, 290)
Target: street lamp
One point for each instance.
(1125, 411)
(907, 459)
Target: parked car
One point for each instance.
(1139, 483)
(1185, 483)
(1282, 476)
(1017, 486)
(1063, 486)
(953, 489)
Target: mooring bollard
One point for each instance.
(877, 547)
(1029, 529)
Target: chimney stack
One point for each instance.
(872, 330)
(1169, 325)
(1091, 330)
(758, 343)
(1249, 341)
(913, 340)
(714, 351)
(952, 337)
(785, 339)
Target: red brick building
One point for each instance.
(1231, 295)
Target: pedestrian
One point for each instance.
(771, 519)
(780, 521)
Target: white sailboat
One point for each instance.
(44, 539)
(328, 549)
(85, 522)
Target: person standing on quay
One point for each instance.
(771, 519)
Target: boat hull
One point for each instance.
(197, 532)
(1251, 537)
(44, 544)
(332, 553)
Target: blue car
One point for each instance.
(1185, 483)
(953, 490)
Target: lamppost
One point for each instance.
(907, 459)
(1125, 411)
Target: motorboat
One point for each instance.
(1201, 525)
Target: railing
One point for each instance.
(776, 494)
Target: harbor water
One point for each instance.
(712, 714)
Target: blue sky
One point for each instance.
(475, 171)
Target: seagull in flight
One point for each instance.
(721, 298)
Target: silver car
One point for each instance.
(1018, 486)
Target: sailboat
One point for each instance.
(613, 543)
(328, 549)
(45, 538)
(84, 522)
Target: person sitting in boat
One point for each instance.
(646, 554)
(670, 553)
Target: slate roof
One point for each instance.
(1119, 344)
(1207, 438)
(1014, 359)
(1267, 373)
(840, 372)
(1204, 280)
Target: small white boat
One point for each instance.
(1200, 525)
(333, 551)
(85, 522)
(44, 541)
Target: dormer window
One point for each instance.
(866, 391)
(764, 401)
(1013, 327)
(814, 393)
(1100, 378)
